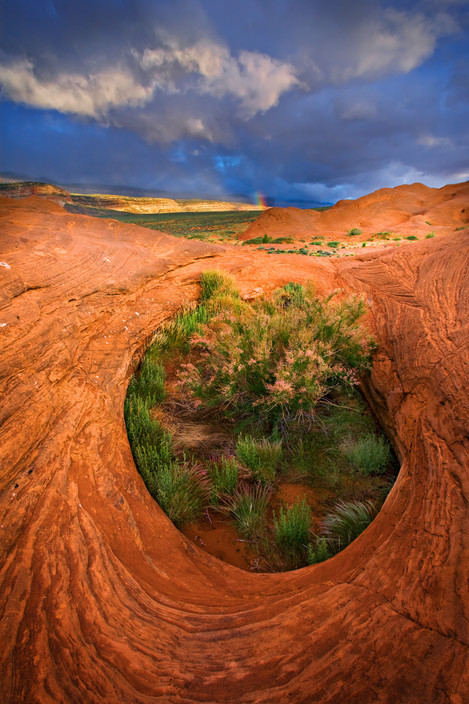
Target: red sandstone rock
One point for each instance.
(405, 210)
(103, 600)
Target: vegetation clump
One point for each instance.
(272, 362)
(369, 454)
(354, 231)
(281, 374)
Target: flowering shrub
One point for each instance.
(274, 361)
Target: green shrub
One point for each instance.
(149, 383)
(213, 283)
(291, 527)
(411, 237)
(333, 244)
(317, 243)
(176, 334)
(182, 492)
(224, 477)
(369, 454)
(247, 505)
(345, 523)
(354, 231)
(384, 234)
(273, 361)
(429, 235)
(318, 551)
(260, 456)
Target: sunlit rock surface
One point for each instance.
(103, 600)
(405, 210)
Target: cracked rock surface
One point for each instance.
(103, 600)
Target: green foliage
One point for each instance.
(215, 283)
(354, 231)
(370, 454)
(291, 527)
(273, 361)
(345, 523)
(318, 551)
(317, 243)
(149, 383)
(333, 244)
(411, 237)
(265, 239)
(262, 457)
(176, 335)
(429, 235)
(224, 477)
(248, 505)
(384, 234)
(181, 492)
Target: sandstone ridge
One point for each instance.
(103, 600)
(411, 209)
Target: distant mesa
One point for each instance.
(127, 204)
(25, 189)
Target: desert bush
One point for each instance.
(214, 283)
(369, 454)
(149, 383)
(317, 243)
(247, 505)
(411, 237)
(291, 527)
(354, 231)
(262, 457)
(429, 235)
(224, 477)
(181, 491)
(333, 244)
(345, 523)
(176, 334)
(275, 360)
(318, 550)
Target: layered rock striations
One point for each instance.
(103, 600)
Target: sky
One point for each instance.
(300, 101)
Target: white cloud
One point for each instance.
(93, 95)
(255, 80)
(396, 42)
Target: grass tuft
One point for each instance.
(248, 505)
(345, 523)
(370, 454)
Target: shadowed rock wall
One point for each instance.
(103, 600)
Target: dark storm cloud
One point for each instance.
(298, 99)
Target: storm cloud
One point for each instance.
(303, 101)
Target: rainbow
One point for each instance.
(260, 200)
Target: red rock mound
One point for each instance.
(405, 210)
(103, 600)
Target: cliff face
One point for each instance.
(103, 600)
(128, 204)
(404, 210)
(25, 189)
